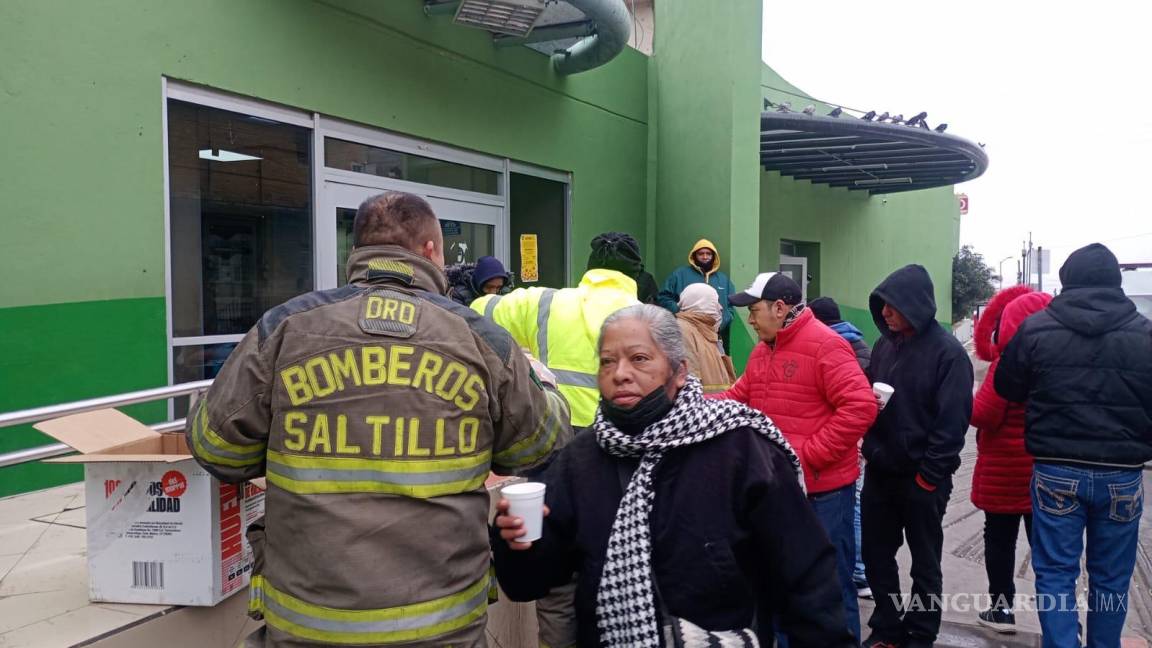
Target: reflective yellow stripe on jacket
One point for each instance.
(530, 449)
(414, 622)
(211, 447)
(561, 327)
(413, 478)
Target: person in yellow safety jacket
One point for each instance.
(376, 410)
(560, 328)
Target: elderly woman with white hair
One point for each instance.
(685, 518)
(699, 318)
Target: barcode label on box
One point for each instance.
(147, 575)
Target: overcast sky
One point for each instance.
(1060, 94)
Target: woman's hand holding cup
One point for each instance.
(512, 527)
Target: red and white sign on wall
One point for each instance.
(963, 198)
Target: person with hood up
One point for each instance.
(699, 320)
(1000, 482)
(805, 378)
(467, 281)
(620, 252)
(1083, 365)
(912, 451)
(703, 267)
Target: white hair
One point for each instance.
(661, 324)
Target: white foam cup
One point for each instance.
(526, 501)
(883, 391)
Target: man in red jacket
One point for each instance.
(806, 379)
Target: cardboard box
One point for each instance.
(160, 528)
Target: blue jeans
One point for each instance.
(1066, 502)
(836, 511)
(858, 576)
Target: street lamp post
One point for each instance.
(1001, 270)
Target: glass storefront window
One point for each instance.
(463, 242)
(361, 158)
(466, 242)
(241, 217)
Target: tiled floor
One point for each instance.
(44, 577)
(44, 591)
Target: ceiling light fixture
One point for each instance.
(512, 17)
(222, 155)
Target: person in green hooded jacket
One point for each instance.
(703, 267)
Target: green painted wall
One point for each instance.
(861, 238)
(84, 170)
(64, 352)
(706, 109)
(704, 140)
(82, 244)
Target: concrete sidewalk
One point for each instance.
(963, 564)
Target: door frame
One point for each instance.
(336, 194)
(803, 280)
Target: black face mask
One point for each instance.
(705, 267)
(647, 411)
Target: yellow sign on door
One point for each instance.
(529, 261)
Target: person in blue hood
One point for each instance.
(912, 451)
(1083, 365)
(469, 281)
(828, 311)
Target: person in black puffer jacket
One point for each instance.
(1084, 367)
(912, 451)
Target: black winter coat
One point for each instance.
(732, 536)
(646, 288)
(1084, 366)
(863, 353)
(922, 428)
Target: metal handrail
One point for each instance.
(34, 415)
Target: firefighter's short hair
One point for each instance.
(394, 218)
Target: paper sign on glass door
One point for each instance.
(529, 262)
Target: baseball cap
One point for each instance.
(770, 286)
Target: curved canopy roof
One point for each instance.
(864, 155)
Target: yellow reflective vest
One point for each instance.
(561, 328)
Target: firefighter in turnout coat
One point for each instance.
(376, 411)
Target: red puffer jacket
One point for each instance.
(1000, 481)
(812, 388)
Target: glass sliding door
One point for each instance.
(470, 229)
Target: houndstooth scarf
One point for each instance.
(625, 602)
